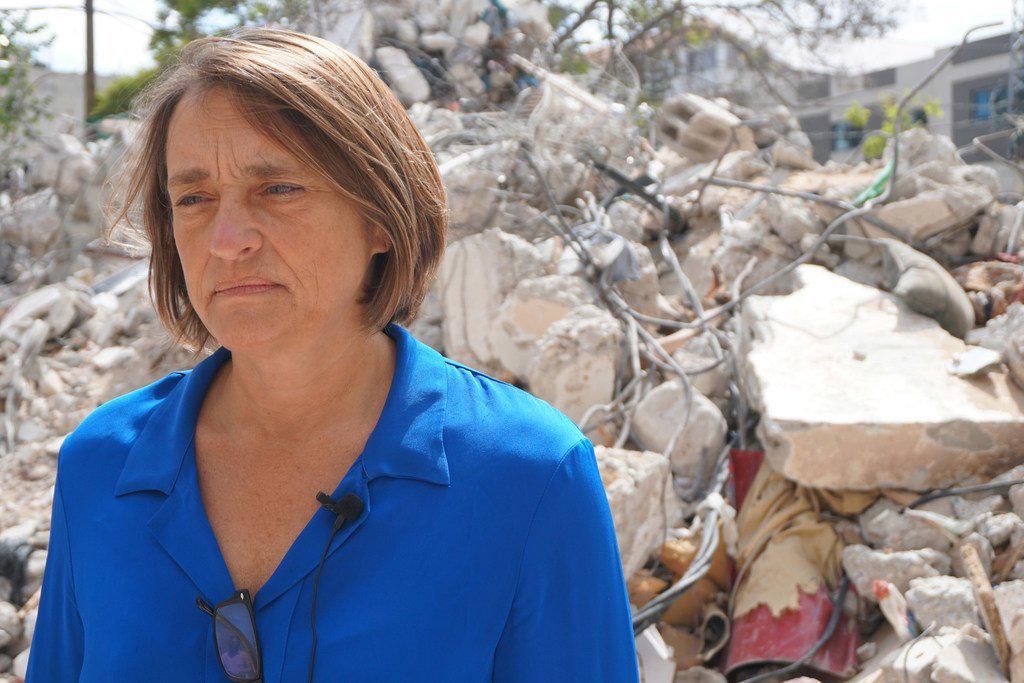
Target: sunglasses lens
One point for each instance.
(236, 641)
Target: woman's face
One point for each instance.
(244, 208)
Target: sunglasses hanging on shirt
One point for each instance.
(234, 622)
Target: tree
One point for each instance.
(653, 31)
(184, 20)
(918, 112)
(22, 108)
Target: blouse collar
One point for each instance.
(407, 441)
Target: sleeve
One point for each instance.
(570, 618)
(57, 641)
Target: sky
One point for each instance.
(121, 42)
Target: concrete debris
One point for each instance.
(942, 601)
(577, 360)
(864, 566)
(866, 376)
(1005, 333)
(642, 499)
(477, 273)
(884, 525)
(658, 420)
(529, 311)
(859, 393)
(701, 130)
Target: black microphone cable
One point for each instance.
(345, 510)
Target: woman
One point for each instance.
(296, 219)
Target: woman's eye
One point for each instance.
(184, 201)
(285, 189)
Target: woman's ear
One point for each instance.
(381, 241)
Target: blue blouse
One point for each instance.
(485, 550)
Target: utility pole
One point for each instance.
(1015, 99)
(90, 74)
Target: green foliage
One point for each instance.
(873, 146)
(857, 115)
(191, 19)
(197, 18)
(21, 106)
(117, 97)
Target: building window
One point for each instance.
(845, 136)
(704, 59)
(987, 103)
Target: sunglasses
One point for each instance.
(234, 622)
(234, 634)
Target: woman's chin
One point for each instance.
(250, 333)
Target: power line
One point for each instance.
(112, 13)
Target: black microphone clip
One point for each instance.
(347, 509)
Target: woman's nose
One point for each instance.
(234, 233)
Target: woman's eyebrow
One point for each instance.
(261, 171)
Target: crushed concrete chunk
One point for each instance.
(525, 316)
(699, 129)
(577, 360)
(867, 402)
(943, 601)
(884, 525)
(403, 75)
(643, 502)
(476, 275)
(1010, 601)
(658, 417)
(864, 566)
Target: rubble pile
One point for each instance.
(805, 383)
(455, 51)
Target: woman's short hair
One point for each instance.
(329, 109)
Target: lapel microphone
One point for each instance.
(347, 509)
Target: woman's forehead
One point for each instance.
(203, 139)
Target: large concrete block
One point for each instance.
(527, 313)
(643, 503)
(577, 360)
(477, 273)
(407, 80)
(659, 416)
(854, 391)
(700, 130)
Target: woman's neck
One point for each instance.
(309, 394)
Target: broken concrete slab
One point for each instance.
(864, 566)
(658, 417)
(643, 502)
(529, 310)
(699, 129)
(867, 402)
(476, 275)
(577, 360)
(942, 601)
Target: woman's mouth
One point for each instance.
(243, 290)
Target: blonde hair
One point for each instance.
(329, 109)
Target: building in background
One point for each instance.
(66, 90)
(717, 68)
(972, 91)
